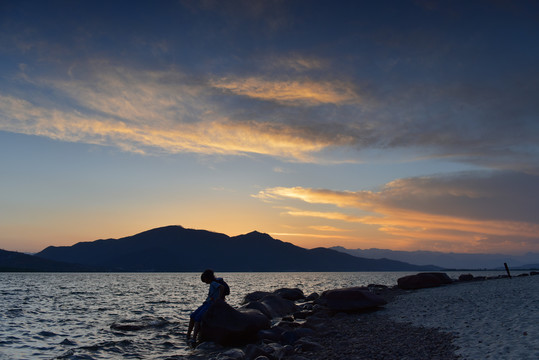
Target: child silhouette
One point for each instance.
(217, 292)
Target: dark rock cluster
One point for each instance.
(297, 322)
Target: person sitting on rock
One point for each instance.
(217, 292)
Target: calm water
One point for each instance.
(69, 316)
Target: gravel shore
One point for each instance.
(491, 319)
(376, 336)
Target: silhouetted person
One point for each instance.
(217, 292)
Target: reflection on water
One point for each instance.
(129, 315)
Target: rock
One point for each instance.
(303, 314)
(208, 347)
(306, 345)
(255, 296)
(288, 324)
(254, 352)
(273, 334)
(289, 337)
(523, 275)
(280, 352)
(262, 357)
(290, 294)
(377, 287)
(232, 354)
(466, 277)
(350, 299)
(312, 297)
(228, 326)
(423, 280)
(273, 306)
(533, 273)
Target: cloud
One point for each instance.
(203, 137)
(319, 236)
(327, 228)
(308, 115)
(466, 208)
(149, 111)
(292, 92)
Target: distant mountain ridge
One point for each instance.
(448, 260)
(174, 248)
(18, 262)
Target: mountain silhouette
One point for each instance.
(18, 262)
(449, 260)
(174, 248)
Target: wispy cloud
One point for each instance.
(318, 236)
(147, 112)
(327, 228)
(468, 209)
(301, 92)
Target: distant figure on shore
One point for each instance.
(217, 292)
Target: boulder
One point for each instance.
(227, 326)
(290, 294)
(466, 277)
(273, 306)
(350, 299)
(254, 296)
(232, 354)
(423, 280)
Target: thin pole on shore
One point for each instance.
(507, 269)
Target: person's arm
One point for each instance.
(221, 292)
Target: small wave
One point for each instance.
(158, 302)
(47, 333)
(68, 342)
(138, 324)
(107, 345)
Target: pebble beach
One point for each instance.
(491, 319)
(487, 319)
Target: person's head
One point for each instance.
(207, 276)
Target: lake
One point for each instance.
(69, 315)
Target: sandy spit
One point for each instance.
(492, 319)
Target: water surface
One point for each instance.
(129, 315)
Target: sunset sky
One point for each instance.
(405, 125)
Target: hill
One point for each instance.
(448, 260)
(18, 262)
(174, 248)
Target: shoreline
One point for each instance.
(415, 324)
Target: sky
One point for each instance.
(404, 125)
